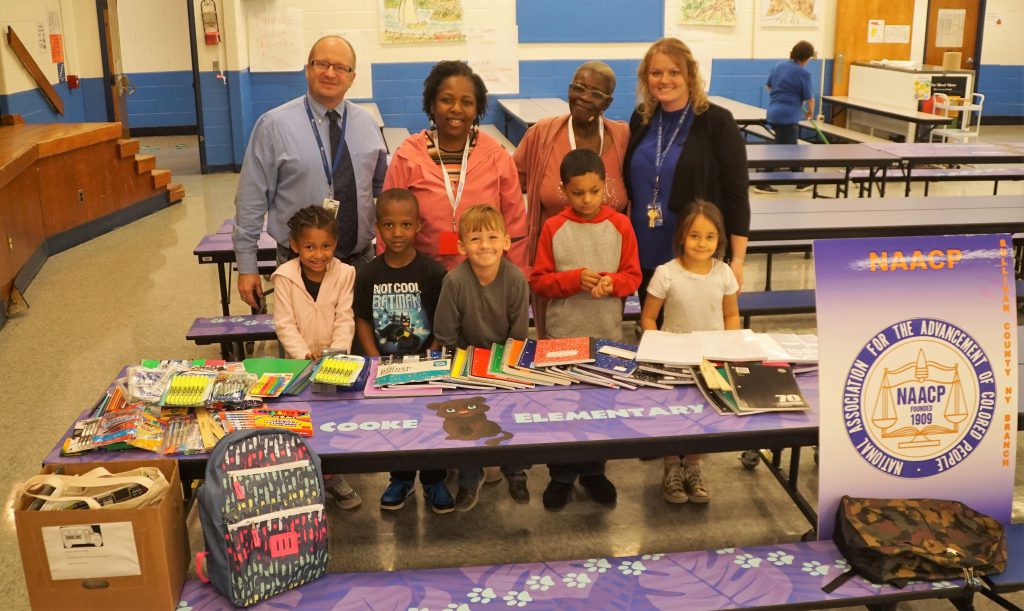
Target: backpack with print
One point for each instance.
(896, 540)
(262, 511)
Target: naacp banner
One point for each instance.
(918, 371)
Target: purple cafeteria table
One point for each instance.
(218, 248)
(923, 153)
(355, 434)
(846, 156)
(783, 576)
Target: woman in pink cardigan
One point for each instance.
(547, 142)
(452, 166)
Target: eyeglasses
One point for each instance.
(321, 66)
(598, 96)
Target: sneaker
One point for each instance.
(696, 489)
(804, 187)
(556, 495)
(343, 494)
(394, 496)
(517, 488)
(492, 475)
(465, 499)
(600, 488)
(765, 189)
(672, 487)
(440, 499)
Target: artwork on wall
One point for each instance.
(790, 13)
(707, 12)
(408, 21)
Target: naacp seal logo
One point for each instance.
(919, 398)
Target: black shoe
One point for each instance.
(804, 187)
(602, 490)
(517, 488)
(765, 189)
(557, 494)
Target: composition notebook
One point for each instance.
(564, 351)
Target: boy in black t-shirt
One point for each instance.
(394, 302)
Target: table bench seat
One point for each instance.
(232, 332)
(825, 177)
(782, 576)
(772, 303)
(838, 134)
(930, 175)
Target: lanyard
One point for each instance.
(660, 154)
(453, 199)
(329, 170)
(600, 132)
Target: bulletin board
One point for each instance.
(576, 21)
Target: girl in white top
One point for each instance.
(699, 293)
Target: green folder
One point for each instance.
(268, 364)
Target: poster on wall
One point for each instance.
(918, 374)
(789, 13)
(421, 21)
(276, 42)
(707, 12)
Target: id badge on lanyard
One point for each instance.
(330, 203)
(448, 241)
(655, 209)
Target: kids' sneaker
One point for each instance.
(556, 495)
(600, 488)
(465, 499)
(673, 489)
(696, 489)
(440, 499)
(394, 496)
(343, 494)
(517, 488)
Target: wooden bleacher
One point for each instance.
(62, 184)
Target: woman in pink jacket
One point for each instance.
(313, 292)
(452, 166)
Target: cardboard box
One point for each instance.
(91, 549)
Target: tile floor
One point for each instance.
(133, 293)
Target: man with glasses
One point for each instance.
(316, 149)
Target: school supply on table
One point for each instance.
(730, 345)
(262, 511)
(512, 357)
(613, 358)
(97, 488)
(338, 369)
(411, 370)
(182, 436)
(897, 540)
(270, 385)
(760, 387)
(232, 387)
(712, 384)
(676, 349)
(147, 383)
(295, 420)
(266, 364)
(189, 389)
(373, 391)
(564, 351)
(479, 370)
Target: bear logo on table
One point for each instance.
(466, 420)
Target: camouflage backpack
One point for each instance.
(896, 540)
